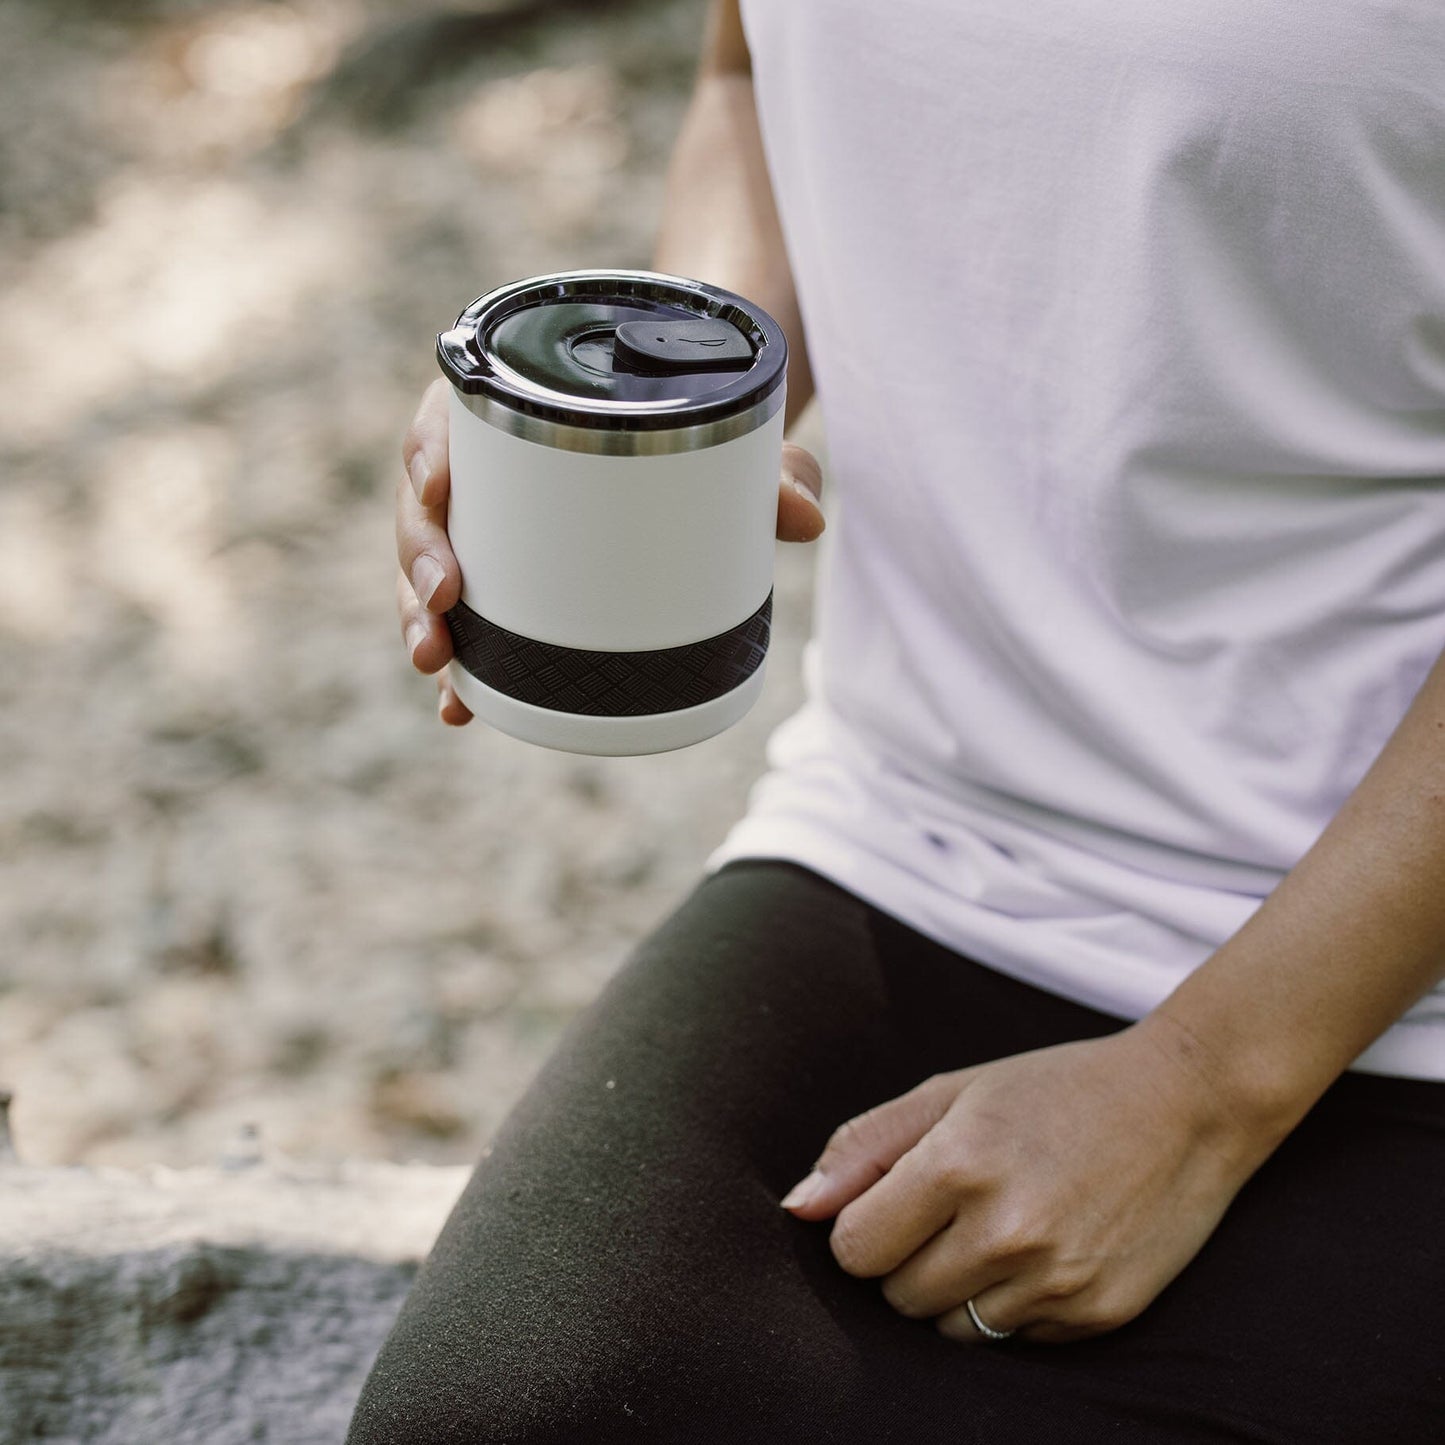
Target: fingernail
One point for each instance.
(427, 574)
(803, 1192)
(804, 490)
(415, 636)
(420, 470)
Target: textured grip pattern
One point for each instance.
(609, 684)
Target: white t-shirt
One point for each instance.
(1128, 324)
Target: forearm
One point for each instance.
(1351, 937)
(719, 221)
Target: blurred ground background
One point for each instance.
(245, 876)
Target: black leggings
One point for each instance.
(618, 1268)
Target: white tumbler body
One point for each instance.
(613, 553)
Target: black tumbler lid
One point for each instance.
(616, 350)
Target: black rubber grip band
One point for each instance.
(609, 684)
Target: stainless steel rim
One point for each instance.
(600, 441)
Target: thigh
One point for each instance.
(618, 1266)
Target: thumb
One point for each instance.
(800, 518)
(864, 1149)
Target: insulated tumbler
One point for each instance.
(615, 447)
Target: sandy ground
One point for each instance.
(245, 875)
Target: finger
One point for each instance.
(942, 1273)
(425, 448)
(864, 1149)
(450, 708)
(424, 551)
(426, 634)
(800, 518)
(899, 1215)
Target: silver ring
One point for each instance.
(985, 1330)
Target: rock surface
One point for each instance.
(203, 1306)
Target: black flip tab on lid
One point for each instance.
(663, 347)
(622, 350)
